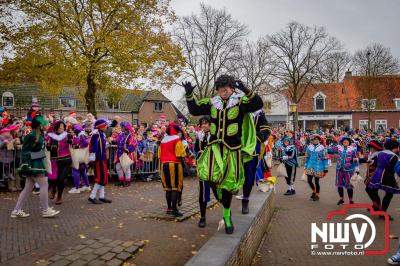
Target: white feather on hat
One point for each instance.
(70, 120)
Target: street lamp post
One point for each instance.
(293, 110)
(368, 72)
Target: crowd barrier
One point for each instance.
(145, 167)
(9, 162)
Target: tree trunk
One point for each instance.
(90, 95)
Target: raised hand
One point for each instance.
(239, 85)
(188, 87)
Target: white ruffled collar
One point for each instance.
(256, 113)
(201, 134)
(218, 103)
(168, 138)
(349, 148)
(373, 155)
(58, 137)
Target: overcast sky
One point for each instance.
(356, 23)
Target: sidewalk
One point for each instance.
(288, 240)
(34, 239)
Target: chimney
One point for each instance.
(348, 74)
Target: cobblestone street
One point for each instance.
(288, 240)
(34, 239)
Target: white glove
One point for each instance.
(92, 157)
(285, 157)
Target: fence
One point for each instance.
(145, 167)
(9, 161)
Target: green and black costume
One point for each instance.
(232, 142)
(30, 167)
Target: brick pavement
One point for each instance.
(288, 239)
(190, 207)
(31, 240)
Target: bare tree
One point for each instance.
(334, 68)
(298, 51)
(375, 60)
(372, 61)
(253, 63)
(209, 41)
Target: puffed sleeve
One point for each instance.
(180, 149)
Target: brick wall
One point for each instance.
(393, 118)
(244, 253)
(147, 114)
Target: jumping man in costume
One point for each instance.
(232, 140)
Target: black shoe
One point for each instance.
(126, 184)
(351, 202)
(177, 213)
(340, 202)
(104, 200)
(316, 198)
(180, 202)
(245, 206)
(293, 191)
(229, 230)
(288, 192)
(169, 211)
(312, 195)
(202, 222)
(94, 201)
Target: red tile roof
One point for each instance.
(347, 95)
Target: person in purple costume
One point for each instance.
(80, 140)
(384, 176)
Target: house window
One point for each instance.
(67, 102)
(397, 103)
(158, 106)
(363, 124)
(135, 122)
(114, 106)
(267, 107)
(380, 126)
(368, 104)
(8, 99)
(319, 101)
